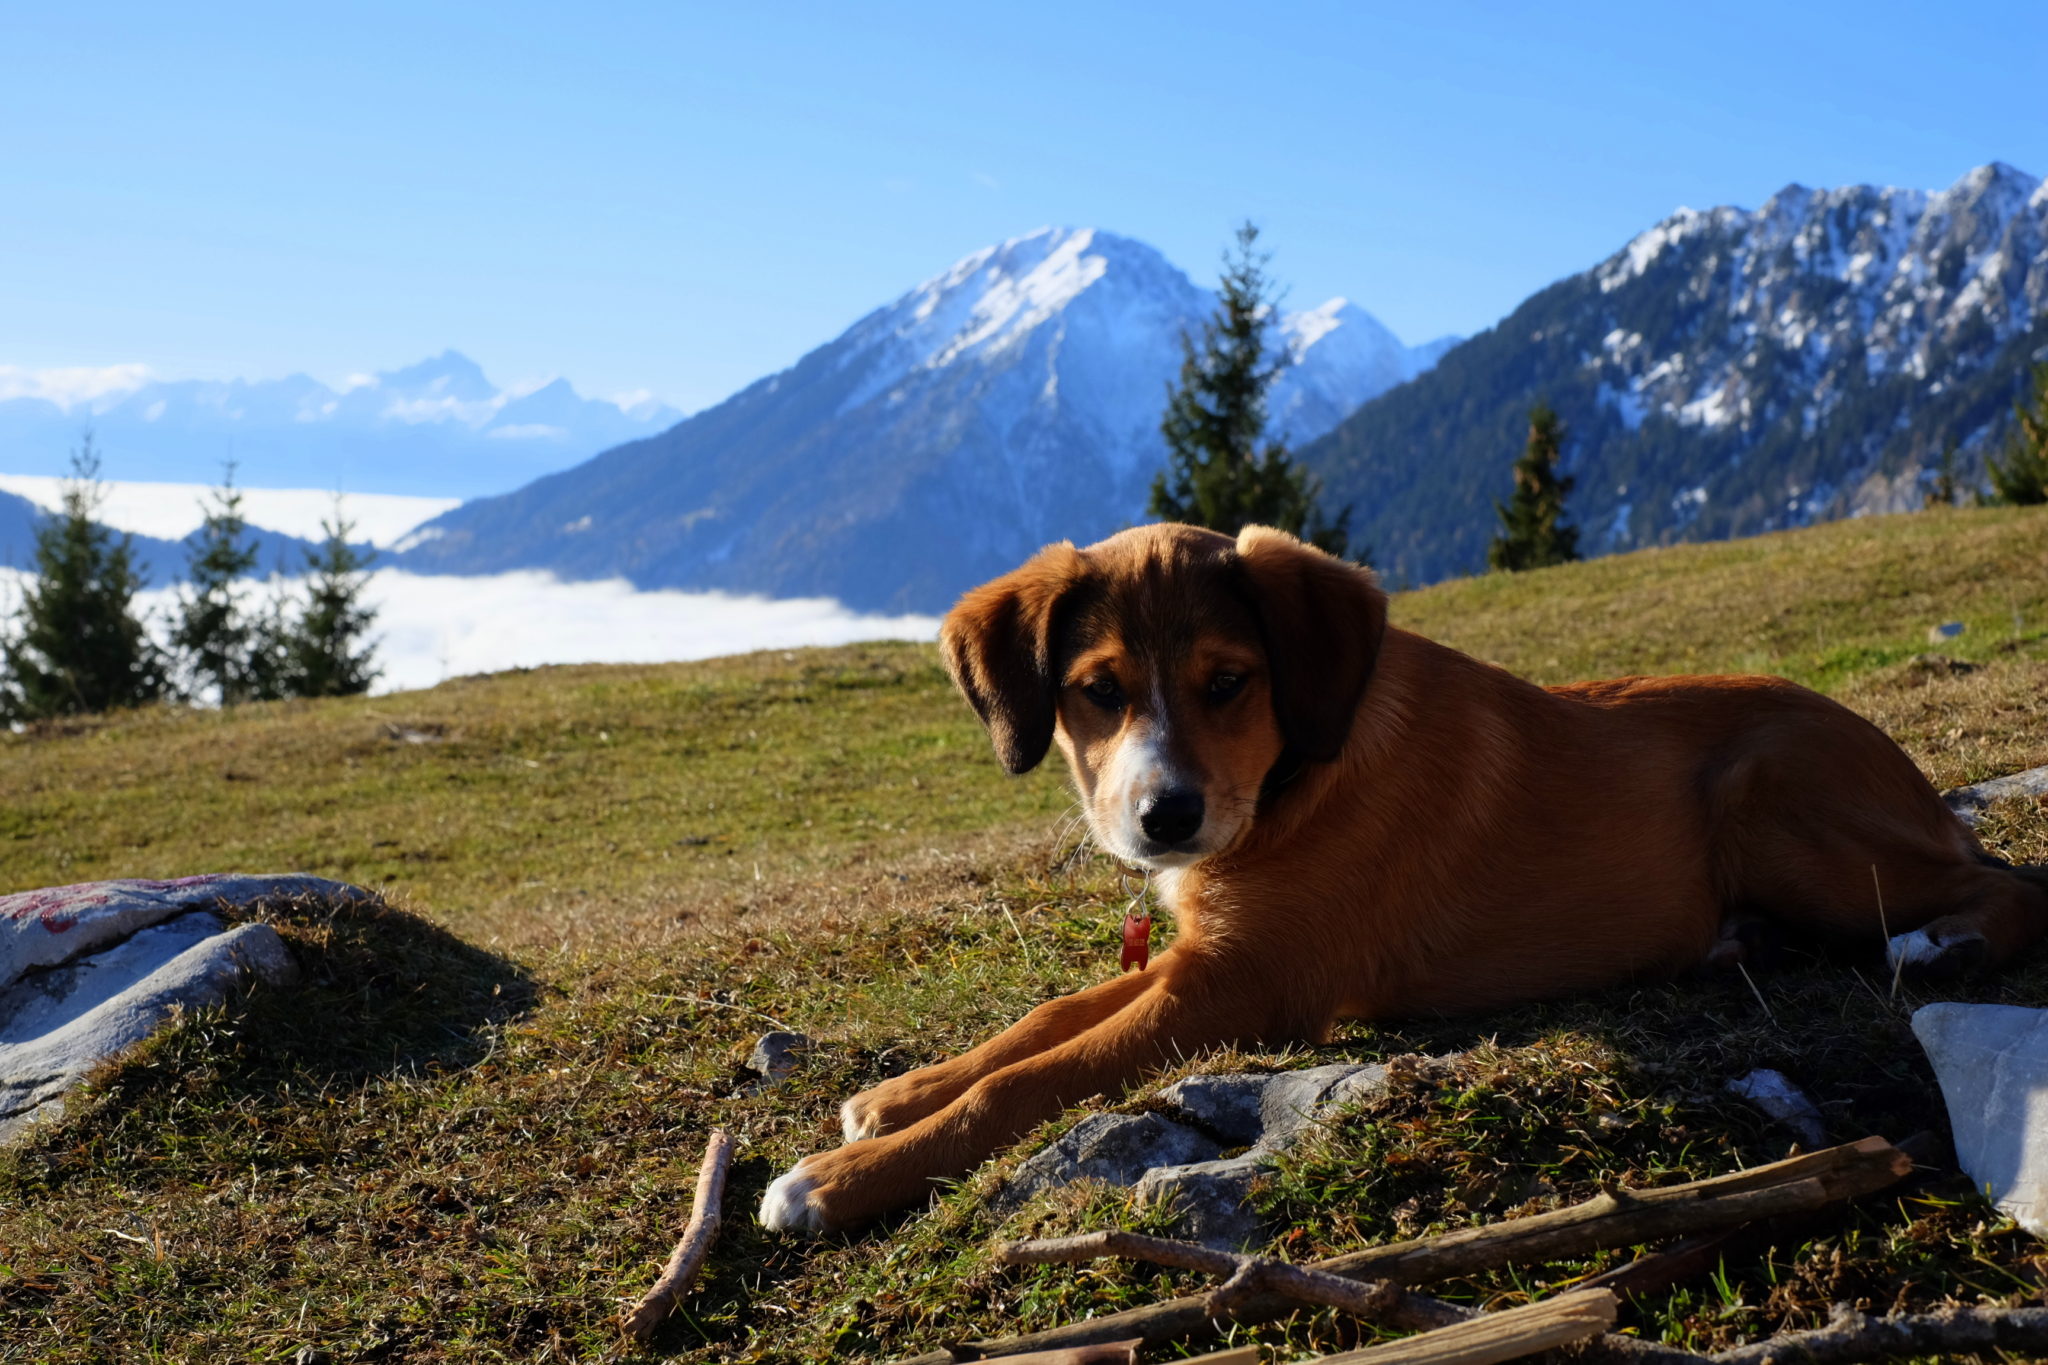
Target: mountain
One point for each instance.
(1725, 373)
(438, 427)
(159, 562)
(1010, 401)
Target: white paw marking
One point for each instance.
(787, 1206)
(1914, 950)
(856, 1128)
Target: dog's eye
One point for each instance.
(1105, 693)
(1224, 686)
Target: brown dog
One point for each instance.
(1348, 821)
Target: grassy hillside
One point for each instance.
(472, 1134)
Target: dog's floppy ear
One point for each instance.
(1322, 620)
(998, 642)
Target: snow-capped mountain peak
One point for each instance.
(1015, 395)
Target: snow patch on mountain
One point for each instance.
(1901, 279)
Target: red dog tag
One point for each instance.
(1137, 941)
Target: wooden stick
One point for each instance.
(1102, 1353)
(1942, 1335)
(1243, 1276)
(1618, 1218)
(1493, 1337)
(687, 1259)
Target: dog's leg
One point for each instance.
(1183, 1007)
(902, 1100)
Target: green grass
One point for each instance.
(472, 1134)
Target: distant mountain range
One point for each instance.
(437, 428)
(1012, 400)
(1727, 372)
(159, 561)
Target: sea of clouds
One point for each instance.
(433, 627)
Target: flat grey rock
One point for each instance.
(57, 1025)
(1992, 1062)
(1969, 802)
(1114, 1148)
(1229, 1106)
(1293, 1100)
(1179, 1157)
(1213, 1199)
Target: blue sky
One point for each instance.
(681, 198)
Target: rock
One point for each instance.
(58, 923)
(774, 1057)
(87, 971)
(1213, 1199)
(1947, 630)
(1295, 1099)
(1114, 1148)
(1969, 802)
(1179, 1157)
(1229, 1106)
(57, 1025)
(1775, 1094)
(1992, 1062)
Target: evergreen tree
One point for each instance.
(1943, 493)
(76, 646)
(1532, 534)
(224, 651)
(2021, 478)
(326, 652)
(1219, 471)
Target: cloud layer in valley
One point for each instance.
(430, 628)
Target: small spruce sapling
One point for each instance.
(217, 641)
(1533, 535)
(2021, 478)
(328, 652)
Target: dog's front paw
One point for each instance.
(844, 1188)
(896, 1103)
(789, 1205)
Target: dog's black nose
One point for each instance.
(1171, 817)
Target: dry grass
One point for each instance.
(466, 1141)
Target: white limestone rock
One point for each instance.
(57, 1025)
(1992, 1062)
(88, 971)
(1970, 802)
(1775, 1094)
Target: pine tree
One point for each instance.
(1946, 485)
(1219, 472)
(76, 645)
(326, 652)
(221, 647)
(2021, 478)
(1532, 534)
